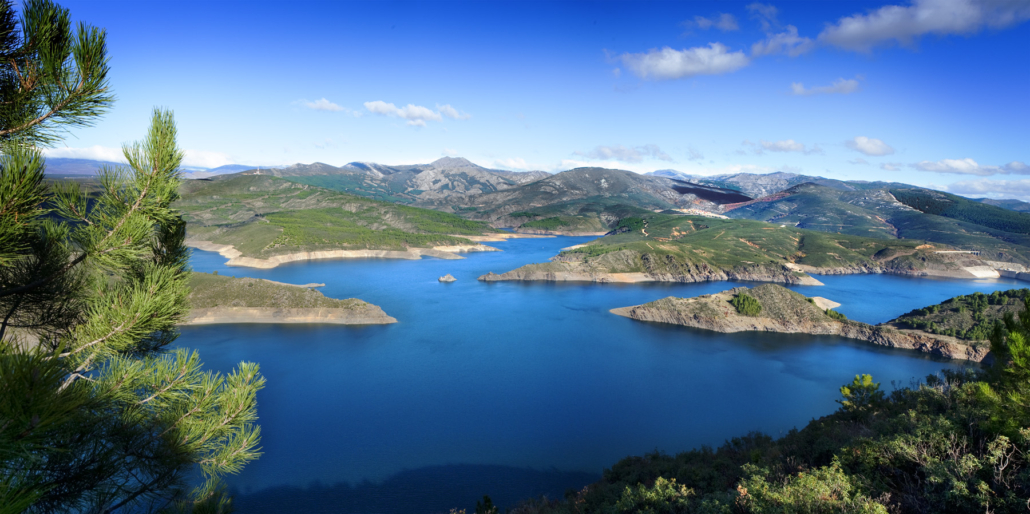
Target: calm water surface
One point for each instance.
(522, 389)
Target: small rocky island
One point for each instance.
(221, 299)
(773, 308)
(448, 278)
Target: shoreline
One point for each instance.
(370, 315)
(236, 258)
(713, 312)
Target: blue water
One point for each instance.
(520, 389)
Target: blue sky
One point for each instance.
(930, 92)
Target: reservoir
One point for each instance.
(522, 389)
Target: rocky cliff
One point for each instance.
(788, 312)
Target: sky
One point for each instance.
(929, 92)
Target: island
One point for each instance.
(773, 308)
(221, 299)
(685, 248)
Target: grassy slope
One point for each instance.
(728, 244)
(209, 291)
(263, 216)
(874, 212)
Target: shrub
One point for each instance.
(746, 305)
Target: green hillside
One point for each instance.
(964, 209)
(727, 244)
(876, 212)
(263, 216)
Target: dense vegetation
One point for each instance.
(964, 209)
(970, 317)
(552, 223)
(746, 305)
(956, 443)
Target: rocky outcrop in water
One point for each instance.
(785, 311)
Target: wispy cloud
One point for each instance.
(668, 64)
(416, 115)
(786, 145)
(859, 160)
(765, 14)
(869, 146)
(786, 42)
(840, 86)
(626, 154)
(452, 113)
(722, 21)
(903, 24)
(1017, 189)
(322, 105)
(891, 166)
(970, 167)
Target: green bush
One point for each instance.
(835, 315)
(746, 305)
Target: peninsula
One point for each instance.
(220, 299)
(773, 308)
(684, 248)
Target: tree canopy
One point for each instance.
(98, 412)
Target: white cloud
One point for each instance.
(1018, 189)
(626, 154)
(787, 42)
(786, 145)
(903, 24)
(666, 64)
(840, 86)
(193, 158)
(891, 166)
(416, 115)
(724, 22)
(765, 14)
(205, 159)
(322, 105)
(95, 153)
(970, 167)
(452, 113)
(859, 160)
(693, 154)
(869, 146)
(512, 163)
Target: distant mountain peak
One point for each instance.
(452, 162)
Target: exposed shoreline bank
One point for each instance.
(369, 315)
(236, 258)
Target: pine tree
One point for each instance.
(97, 414)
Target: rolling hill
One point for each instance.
(264, 216)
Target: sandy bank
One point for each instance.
(571, 233)
(502, 236)
(235, 258)
(367, 315)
